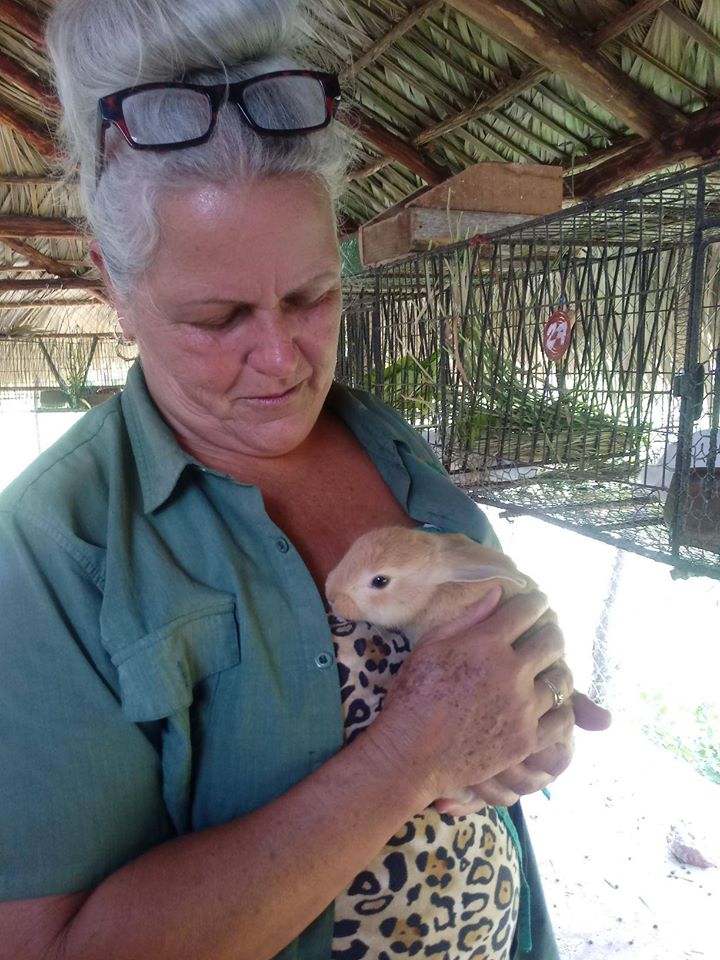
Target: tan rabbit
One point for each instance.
(414, 580)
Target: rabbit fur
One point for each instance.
(426, 579)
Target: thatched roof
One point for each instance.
(608, 90)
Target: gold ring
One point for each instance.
(558, 696)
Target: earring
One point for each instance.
(126, 344)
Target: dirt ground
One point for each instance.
(613, 887)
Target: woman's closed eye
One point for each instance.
(222, 321)
(305, 301)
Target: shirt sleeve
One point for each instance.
(81, 790)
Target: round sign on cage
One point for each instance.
(557, 333)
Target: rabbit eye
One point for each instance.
(379, 582)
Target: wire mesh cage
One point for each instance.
(567, 368)
(61, 371)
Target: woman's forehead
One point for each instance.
(221, 238)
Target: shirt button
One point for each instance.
(282, 544)
(323, 660)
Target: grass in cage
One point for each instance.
(409, 385)
(691, 734)
(493, 413)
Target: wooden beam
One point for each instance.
(509, 91)
(573, 166)
(23, 20)
(694, 29)
(79, 283)
(42, 262)
(20, 180)
(399, 149)
(563, 52)
(493, 102)
(634, 14)
(6, 305)
(10, 69)
(38, 259)
(699, 141)
(394, 33)
(21, 227)
(42, 142)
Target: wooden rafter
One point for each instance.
(376, 49)
(41, 141)
(694, 29)
(37, 259)
(563, 51)
(382, 138)
(42, 262)
(506, 79)
(22, 20)
(78, 283)
(632, 15)
(21, 180)
(700, 140)
(10, 69)
(38, 304)
(21, 227)
(488, 105)
(452, 97)
(514, 88)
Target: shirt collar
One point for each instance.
(161, 460)
(159, 457)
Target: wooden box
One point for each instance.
(530, 188)
(481, 199)
(415, 230)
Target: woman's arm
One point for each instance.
(462, 709)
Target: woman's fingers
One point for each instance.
(554, 759)
(554, 686)
(476, 613)
(543, 649)
(505, 623)
(589, 715)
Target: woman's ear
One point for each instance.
(126, 325)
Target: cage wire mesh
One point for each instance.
(618, 439)
(62, 371)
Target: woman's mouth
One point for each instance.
(275, 399)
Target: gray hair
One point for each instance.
(100, 46)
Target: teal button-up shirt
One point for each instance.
(165, 658)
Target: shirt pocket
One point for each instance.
(160, 678)
(158, 673)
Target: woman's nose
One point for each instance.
(274, 352)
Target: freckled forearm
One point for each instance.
(248, 888)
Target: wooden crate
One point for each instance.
(481, 199)
(530, 188)
(415, 230)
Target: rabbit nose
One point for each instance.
(344, 606)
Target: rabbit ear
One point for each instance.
(461, 559)
(478, 574)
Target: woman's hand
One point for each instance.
(467, 705)
(536, 771)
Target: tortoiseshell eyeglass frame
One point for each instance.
(110, 110)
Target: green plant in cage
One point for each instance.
(692, 735)
(409, 385)
(529, 418)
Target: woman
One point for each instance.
(170, 689)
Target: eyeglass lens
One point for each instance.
(167, 115)
(285, 103)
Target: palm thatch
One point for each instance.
(434, 87)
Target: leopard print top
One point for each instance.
(444, 887)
